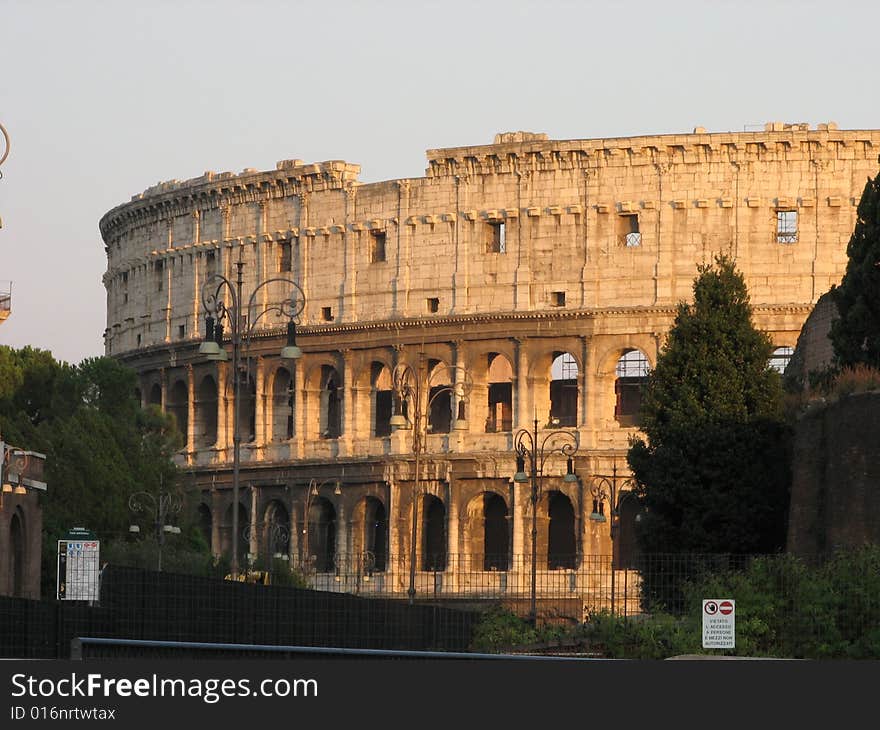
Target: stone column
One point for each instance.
(522, 413)
(347, 437)
(190, 412)
(260, 404)
(455, 563)
(253, 543)
(223, 397)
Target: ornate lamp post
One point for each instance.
(415, 391)
(242, 328)
(527, 447)
(159, 507)
(312, 492)
(605, 488)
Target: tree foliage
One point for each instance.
(713, 473)
(101, 446)
(855, 335)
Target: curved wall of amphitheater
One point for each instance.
(499, 259)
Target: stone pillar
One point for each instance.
(455, 562)
(395, 545)
(190, 411)
(223, 397)
(298, 443)
(522, 412)
(216, 519)
(347, 437)
(254, 542)
(260, 404)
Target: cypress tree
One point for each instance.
(712, 473)
(855, 336)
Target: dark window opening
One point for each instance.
(284, 261)
(205, 522)
(327, 314)
(557, 298)
(159, 268)
(627, 547)
(276, 537)
(496, 535)
(376, 537)
(247, 412)
(206, 412)
(382, 426)
(434, 532)
(628, 230)
(632, 373)
(331, 406)
(178, 407)
(561, 552)
(500, 407)
(786, 226)
(433, 304)
(322, 536)
(440, 414)
(181, 331)
(564, 390)
(155, 393)
(497, 239)
(377, 246)
(282, 405)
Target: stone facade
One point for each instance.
(503, 259)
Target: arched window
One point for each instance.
(440, 396)
(178, 406)
(321, 534)
(381, 382)
(205, 521)
(206, 412)
(247, 410)
(282, 405)
(627, 548)
(155, 395)
(561, 551)
(632, 373)
(276, 529)
(433, 534)
(17, 561)
(375, 535)
(496, 534)
(563, 390)
(500, 380)
(779, 359)
(331, 412)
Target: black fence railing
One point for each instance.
(142, 605)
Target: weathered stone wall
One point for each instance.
(835, 500)
(509, 253)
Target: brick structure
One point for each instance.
(549, 269)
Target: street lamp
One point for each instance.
(313, 490)
(415, 391)
(242, 328)
(604, 488)
(159, 507)
(527, 447)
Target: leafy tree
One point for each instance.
(100, 445)
(713, 474)
(855, 336)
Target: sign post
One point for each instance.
(78, 566)
(719, 623)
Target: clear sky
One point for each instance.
(104, 99)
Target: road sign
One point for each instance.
(78, 567)
(719, 616)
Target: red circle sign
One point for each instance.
(726, 607)
(711, 608)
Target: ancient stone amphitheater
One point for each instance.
(527, 280)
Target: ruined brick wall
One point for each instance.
(835, 500)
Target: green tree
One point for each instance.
(101, 446)
(713, 472)
(855, 336)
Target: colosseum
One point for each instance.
(527, 284)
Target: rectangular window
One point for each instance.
(786, 226)
(628, 230)
(557, 298)
(159, 268)
(433, 304)
(138, 340)
(377, 246)
(497, 239)
(181, 331)
(327, 314)
(284, 256)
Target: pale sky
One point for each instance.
(104, 99)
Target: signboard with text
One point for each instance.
(78, 566)
(719, 616)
